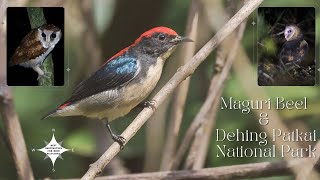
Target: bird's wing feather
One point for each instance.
(29, 48)
(302, 50)
(113, 74)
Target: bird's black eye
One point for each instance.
(53, 36)
(161, 37)
(290, 31)
(43, 35)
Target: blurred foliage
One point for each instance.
(119, 23)
(103, 13)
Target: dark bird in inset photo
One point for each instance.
(35, 47)
(124, 80)
(294, 50)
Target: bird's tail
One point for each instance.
(63, 110)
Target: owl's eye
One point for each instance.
(161, 37)
(43, 35)
(53, 36)
(289, 31)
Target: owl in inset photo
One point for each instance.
(294, 49)
(286, 46)
(35, 47)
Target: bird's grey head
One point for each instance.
(49, 35)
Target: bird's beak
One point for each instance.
(180, 39)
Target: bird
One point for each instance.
(294, 49)
(35, 47)
(123, 81)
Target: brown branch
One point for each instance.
(182, 90)
(14, 134)
(10, 119)
(183, 72)
(247, 171)
(199, 147)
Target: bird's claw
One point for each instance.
(150, 104)
(119, 139)
(45, 75)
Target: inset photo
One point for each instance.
(286, 46)
(35, 46)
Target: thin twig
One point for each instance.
(182, 90)
(246, 171)
(199, 148)
(183, 72)
(206, 108)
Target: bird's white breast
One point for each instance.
(135, 93)
(38, 60)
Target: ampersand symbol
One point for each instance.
(264, 120)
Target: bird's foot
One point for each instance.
(44, 75)
(149, 104)
(119, 139)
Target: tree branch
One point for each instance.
(9, 116)
(248, 171)
(37, 19)
(181, 75)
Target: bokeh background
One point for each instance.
(94, 31)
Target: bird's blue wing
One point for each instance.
(113, 74)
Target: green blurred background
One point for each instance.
(116, 24)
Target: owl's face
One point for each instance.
(291, 32)
(49, 35)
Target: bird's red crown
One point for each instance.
(149, 33)
(146, 34)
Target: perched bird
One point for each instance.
(35, 47)
(124, 80)
(294, 49)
